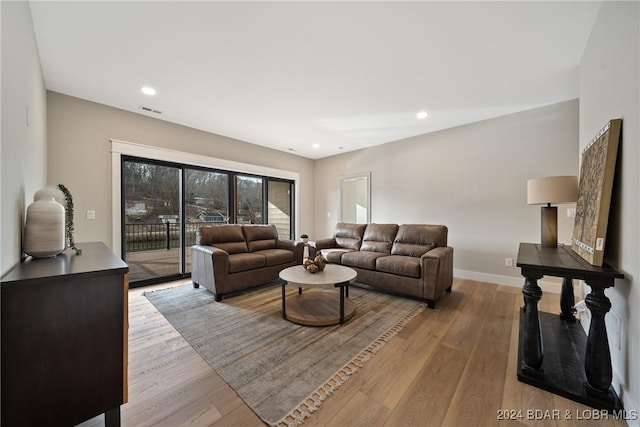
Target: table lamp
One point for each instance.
(548, 190)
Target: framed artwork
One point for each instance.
(594, 193)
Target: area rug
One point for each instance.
(281, 370)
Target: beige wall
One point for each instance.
(80, 156)
(609, 88)
(23, 148)
(471, 178)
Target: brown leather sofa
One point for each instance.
(407, 259)
(229, 258)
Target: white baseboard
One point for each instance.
(498, 279)
(630, 408)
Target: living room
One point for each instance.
(472, 177)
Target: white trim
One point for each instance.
(116, 209)
(516, 282)
(120, 148)
(628, 403)
(168, 155)
(341, 181)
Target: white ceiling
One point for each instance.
(287, 75)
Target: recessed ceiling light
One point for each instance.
(422, 115)
(147, 90)
(316, 145)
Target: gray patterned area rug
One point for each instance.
(281, 370)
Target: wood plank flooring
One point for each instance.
(452, 366)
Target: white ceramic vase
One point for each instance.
(51, 191)
(44, 230)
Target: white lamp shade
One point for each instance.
(552, 189)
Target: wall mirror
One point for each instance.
(355, 196)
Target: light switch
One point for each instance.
(571, 212)
(91, 214)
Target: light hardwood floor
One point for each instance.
(452, 366)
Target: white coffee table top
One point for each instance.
(331, 275)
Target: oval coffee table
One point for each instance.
(321, 306)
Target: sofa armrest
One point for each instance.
(296, 247)
(208, 265)
(316, 246)
(439, 252)
(437, 271)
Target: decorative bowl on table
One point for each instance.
(314, 265)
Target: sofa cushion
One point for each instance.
(228, 237)
(276, 256)
(260, 237)
(401, 265)
(417, 239)
(349, 235)
(245, 261)
(334, 255)
(379, 237)
(361, 259)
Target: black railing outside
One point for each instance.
(161, 235)
(146, 237)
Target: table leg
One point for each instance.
(532, 335)
(342, 304)
(597, 363)
(284, 305)
(567, 300)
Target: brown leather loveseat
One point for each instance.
(408, 259)
(228, 258)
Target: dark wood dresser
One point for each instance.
(64, 332)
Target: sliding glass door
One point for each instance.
(249, 200)
(264, 201)
(165, 204)
(206, 204)
(279, 203)
(152, 218)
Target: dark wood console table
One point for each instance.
(64, 332)
(572, 365)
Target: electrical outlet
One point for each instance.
(508, 262)
(91, 214)
(571, 212)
